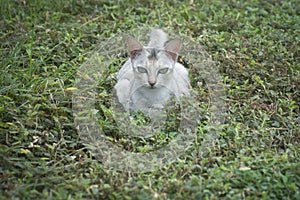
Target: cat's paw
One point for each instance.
(157, 106)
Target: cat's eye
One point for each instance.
(141, 70)
(163, 70)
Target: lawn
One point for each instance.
(254, 48)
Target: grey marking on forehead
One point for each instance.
(153, 53)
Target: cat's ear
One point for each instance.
(173, 47)
(133, 47)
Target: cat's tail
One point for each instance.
(157, 38)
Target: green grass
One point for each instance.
(255, 45)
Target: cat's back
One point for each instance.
(181, 78)
(124, 79)
(126, 71)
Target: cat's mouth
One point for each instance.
(153, 87)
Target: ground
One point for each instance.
(255, 48)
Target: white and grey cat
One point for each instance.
(152, 75)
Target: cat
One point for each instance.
(152, 75)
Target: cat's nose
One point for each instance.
(152, 79)
(151, 83)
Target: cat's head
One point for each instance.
(153, 67)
